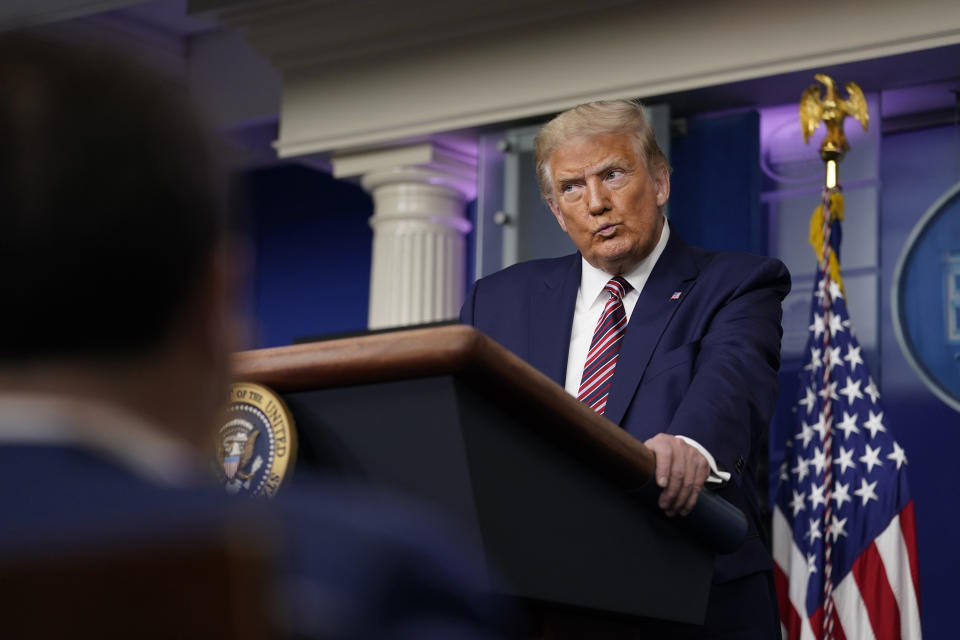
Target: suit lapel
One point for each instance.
(674, 271)
(551, 318)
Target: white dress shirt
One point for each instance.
(587, 312)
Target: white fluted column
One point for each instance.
(419, 229)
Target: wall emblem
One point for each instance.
(926, 298)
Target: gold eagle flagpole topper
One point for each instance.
(817, 105)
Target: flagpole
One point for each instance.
(827, 410)
(831, 174)
(830, 110)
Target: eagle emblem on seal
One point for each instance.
(237, 443)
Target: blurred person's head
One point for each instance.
(116, 282)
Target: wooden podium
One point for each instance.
(552, 497)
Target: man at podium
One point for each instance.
(678, 345)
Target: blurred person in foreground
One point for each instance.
(677, 345)
(115, 334)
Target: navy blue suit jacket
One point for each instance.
(352, 563)
(702, 365)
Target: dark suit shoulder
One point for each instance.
(523, 273)
(730, 259)
(747, 269)
(515, 285)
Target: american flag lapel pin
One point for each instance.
(676, 295)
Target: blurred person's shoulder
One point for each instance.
(350, 561)
(362, 561)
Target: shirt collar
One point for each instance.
(592, 280)
(54, 420)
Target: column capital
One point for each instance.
(419, 229)
(426, 162)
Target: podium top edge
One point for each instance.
(362, 359)
(457, 350)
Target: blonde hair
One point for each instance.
(592, 119)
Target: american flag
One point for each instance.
(844, 539)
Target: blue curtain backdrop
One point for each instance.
(715, 185)
(313, 244)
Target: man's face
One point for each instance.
(607, 201)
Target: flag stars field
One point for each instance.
(866, 492)
(814, 531)
(820, 426)
(841, 494)
(832, 358)
(853, 357)
(898, 455)
(845, 460)
(817, 327)
(836, 326)
(806, 434)
(802, 469)
(848, 425)
(871, 458)
(852, 390)
(874, 424)
(835, 292)
(829, 390)
(837, 525)
(816, 496)
(797, 503)
(819, 460)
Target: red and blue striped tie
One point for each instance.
(604, 348)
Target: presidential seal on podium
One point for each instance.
(256, 442)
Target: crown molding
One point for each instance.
(379, 72)
(32, 13)
(297, 34)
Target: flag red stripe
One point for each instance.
(788, 614)
(908, 527)
(878, 597)
(816, 622)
